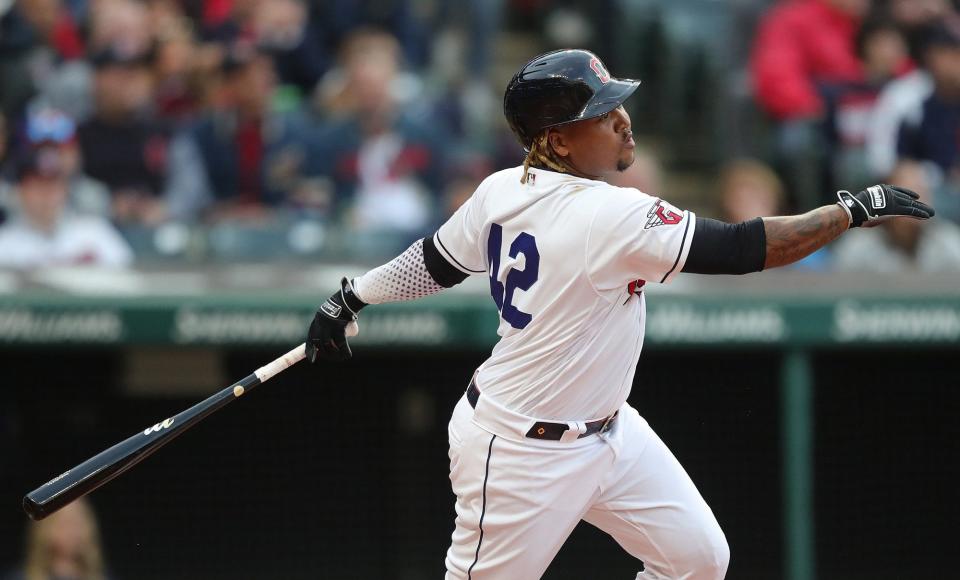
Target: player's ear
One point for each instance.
(558, 141)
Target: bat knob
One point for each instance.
(33, 509)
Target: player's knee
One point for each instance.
(705, 557)
(721, 558)
(710, 561)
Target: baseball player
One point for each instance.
(543, 436)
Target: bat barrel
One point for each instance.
(110, 463)
(85, 477)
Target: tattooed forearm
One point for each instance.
(791, 238)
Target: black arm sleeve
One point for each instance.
(722, 248)
(443, 272)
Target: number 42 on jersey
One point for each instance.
(502, 291)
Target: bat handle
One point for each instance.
(296, 355)
(267, 371)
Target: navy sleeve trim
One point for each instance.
(722, 248)
(443, 272)
(683, 243)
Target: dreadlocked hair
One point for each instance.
(541, 154)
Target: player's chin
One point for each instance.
(626, 160)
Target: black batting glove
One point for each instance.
(879, 203)
(327, 337)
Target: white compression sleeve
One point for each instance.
(403, 278)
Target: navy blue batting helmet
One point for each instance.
(560, 87)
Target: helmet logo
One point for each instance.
(598, 68)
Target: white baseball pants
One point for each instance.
(518, 499)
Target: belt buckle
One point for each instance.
(606, 424)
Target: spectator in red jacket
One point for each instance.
(804, 58)
(802, 45)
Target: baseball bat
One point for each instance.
(110, 463)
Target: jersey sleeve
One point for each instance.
(457, 240)
(634, 235)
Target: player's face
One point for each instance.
(600, 146)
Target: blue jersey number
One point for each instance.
(502, 292)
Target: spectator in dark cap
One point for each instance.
(51, 128)
(124, 25)
(882, 49)
(43, 231)
(282, 28)
(254, 156)
(930, 136)
(54, 128)
(123, 145)
(915, 17)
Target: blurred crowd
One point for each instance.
(861, 92)
(134, 131)
(146, 117)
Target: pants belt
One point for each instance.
(548, 430)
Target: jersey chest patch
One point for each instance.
(662, 214)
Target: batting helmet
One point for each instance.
(560, 87)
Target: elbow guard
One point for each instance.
(722, 248)
(442, 271)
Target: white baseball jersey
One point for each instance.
(567, 258)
